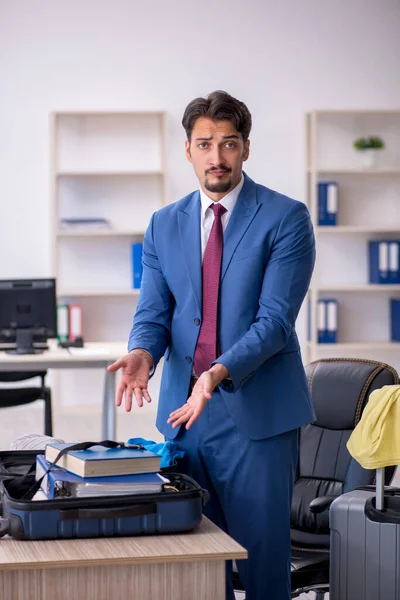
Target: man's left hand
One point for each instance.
(201, 394)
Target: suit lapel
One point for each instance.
(189, 231)
(244, 211)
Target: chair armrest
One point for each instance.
(321, 504)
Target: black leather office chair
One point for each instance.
(25, 395)
(340, 389)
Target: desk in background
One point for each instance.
(188, 566)
(93, 355)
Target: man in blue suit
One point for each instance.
(225, 271)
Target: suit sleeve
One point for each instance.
(151, 329)
(285, 284)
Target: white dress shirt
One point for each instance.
(207, 215)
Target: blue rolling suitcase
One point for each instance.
(365, 544)
(177, 508)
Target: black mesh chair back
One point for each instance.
(15, 396)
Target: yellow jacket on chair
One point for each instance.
(375, 441)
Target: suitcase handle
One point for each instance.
(139, 510)
(205, 496)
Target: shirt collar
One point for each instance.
(227, 201)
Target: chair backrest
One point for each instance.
(340, 389)
(11, 376)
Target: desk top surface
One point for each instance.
(94, 353)
(206, 543)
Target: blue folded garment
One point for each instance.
(167, 450)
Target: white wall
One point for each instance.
(281, 58)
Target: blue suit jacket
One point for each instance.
(268, 259)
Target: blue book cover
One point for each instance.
(59, 482)
(137, 267)
(327, 203)
(101, 462)
(395, 319)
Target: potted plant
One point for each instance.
(369, 147)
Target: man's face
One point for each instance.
(217, 152)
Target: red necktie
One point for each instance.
(206, 348)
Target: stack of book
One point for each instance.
(99, 472)
(85, 223)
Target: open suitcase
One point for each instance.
(365, 544)
(168, 511)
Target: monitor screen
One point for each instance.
(28, 304)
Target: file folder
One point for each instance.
(327, 203)
(394, 251)
(395, 319)
(75, 322)
(327, 320)
(62, 322)
(137, 268)
(384, 259)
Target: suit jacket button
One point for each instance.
(188, 359)
(197, 321)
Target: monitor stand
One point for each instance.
(24, 343)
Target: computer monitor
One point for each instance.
(28, 313)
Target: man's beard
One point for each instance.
(219, 187)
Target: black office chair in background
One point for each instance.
(16, 396)
(340, 389)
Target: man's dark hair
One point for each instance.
(218, 106)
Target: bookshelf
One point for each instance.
(107, 165)
(368, 209)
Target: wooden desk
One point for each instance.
(93, 355)
(189, 566)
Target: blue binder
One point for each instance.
(394, 259)
(137, 268)
(384, 259)
(327, 320)
(327, 202)
(395, 319)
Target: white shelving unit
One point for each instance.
(105, 233)
(369, 209)
(103, 165)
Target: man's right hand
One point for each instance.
(134, 379)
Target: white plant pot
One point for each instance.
(369, 158)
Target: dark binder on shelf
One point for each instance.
(395, 319)
(137, 268)
(327, 203)
(327, 320)
(384, 258)
(394, 259)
